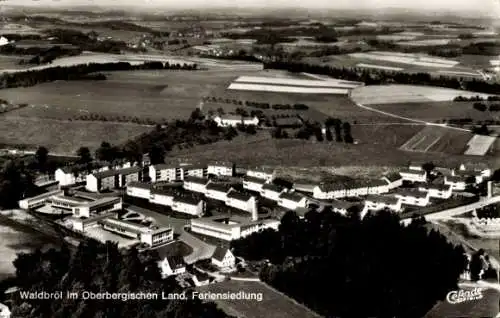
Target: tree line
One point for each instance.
(331, 263)
(254, 104)
(378, 77)
(342, 131)
(50, 74)
(95, 267)
(483, 107)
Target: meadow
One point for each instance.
(439, 139)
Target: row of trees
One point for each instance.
(95, 267)
(116, 118)
(377, 77)
(33, 77)
(342, 132)
(476, 98)
(483, 107)
(254, 104)
(330, 263)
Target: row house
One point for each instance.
(196, 184)
(162, 197)
(457, 183)
(382, 202)
(329, 191)
(266, 174)
(409, 197)
(70, 175)
(221, 169)
(441, 191)
(272, 191)
(111, 179)
(139, 190)
(413, 175)
(242, 201)
(477, 176)
(292, 201)
(394, 180)
(188, 205)
(253, 183)
(217, 191)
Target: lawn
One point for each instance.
(438, 139)
(273, 304)
(12, 61)
(64, 137)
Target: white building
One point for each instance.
(229, 228)
(65, 176)
(441, 191)
(98, 206)
(196, 184)
(110, 179)
(4, 309)
(341, 207)
(477, 176)
(354, 188)
(457, 183)
(162, 197)
(292, 201)
(188, 205)
(394, 180)
(253, 183)
(194, 170)
(223, 258)
(261, 173)
(3, 41)
(217, 191)
(243, 202)
(477, 167)
(235, 120)
(39, 200)
(163, 172)
(381, 202)
(412, 197)
(200, 279)
(413, 175)
(221, 169)
(139, 190)
(82, 224)
(272, 191)
(152, 236)
(172, 265)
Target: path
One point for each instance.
(201, 250)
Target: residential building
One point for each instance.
(195, 170)
(441, 191)
(112, 178)
(304, 187)
(163, 197)
(163, 172)
(152, 236)
(410, 197)
(457, 183)
(381, 202)
(235, 120)
(416, 166)
(230, 228)
(221, 168)
(477, 176)
(243, 202)
(292, 200)
(342, 207)
(139, 190)
(223, 257)
(39, 200)
(253, 183)
(272, 191)
(217, 191)
(413, 175)
(172, 265)
(66, 176)
(351, 188)
(3, 41)
(99, 206)
(188, 205)
(199, 279)
(394, 180)
(478, 167)
(196, 184)
(261, 173)
(4, 309)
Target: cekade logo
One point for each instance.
(462, 296)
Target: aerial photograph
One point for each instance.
(249, 159)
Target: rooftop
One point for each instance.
(388, 200)
(410, 193)
(456, 179)
(341, 205)
(221, 164)
(175, 262)
(188, 200)
(239, 196)
(439, 187)
(414, 172)
(393, 176)
(261, 169)
(475, 166)
(197, 180)
(233, 117)
(219, 187)
(219, 253)
(273, 187)
(351, 184)
(112, 172)
(102, 201)
(295, 197)
(254, 180)
(219, 222)
(163, 166)
(140, 185)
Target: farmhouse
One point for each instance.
(39, 200)
(223, 257)
(139, 190)
(477, 167)
(151, 236)
(110, 179)
(163, 172)
(230, 228)
(196, 184)
(253, 183)
(188, 205)
(381, 202)
(172, 265)
(457, 183)
(442, 191)
(292, 201)
(221, 169)
(261, 173)
(235, 120)
(163, 197)
(394, 180)
(99, 206)
(413, 175)
(272, 191)
(412, 197)
(243, 202)
(350, 188)
(217, 191)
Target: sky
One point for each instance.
(472, 6)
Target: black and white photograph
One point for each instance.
(249, 159)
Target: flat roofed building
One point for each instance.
(145, 234)
(292, 201)
(101, 205)
(139, 190)
(261, 173)
(65, 203)
(221, 168)
(413, 175)
(81, 224)
(195, 184)
(39, 200)
(188, 205)
(442, 191)
(410, 197)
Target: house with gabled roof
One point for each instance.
(217, 191)
(253, 183)
(162, 196)
(223, 258)
(261, 173)
(411, 197)
(272, 191)
(112, 178)
(172, 265)
(394, 180)
(188, 205)
(441, 191)
(381, 202)
(411, 175)
(349, 188)
(292, 200)
(478, 167)
(164, 172)
(242, 201)
(457, 183)
(138, 189)
(200, 279)
(196, 184)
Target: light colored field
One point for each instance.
(430, 42)
(479, 145)
(403, 58)
(330, 82)
(64, 137)
(387, 94)
(460, 73)
(12, 28)
(396, 37)
(274, 304)
(287, 89)
(12, 62)
(380, 67)
(438, 139)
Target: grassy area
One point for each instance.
(177, 248)
(273, 303)
(11, 61)
(64, 136)
(438, 139)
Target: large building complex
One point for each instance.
(112, 179)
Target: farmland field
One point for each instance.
(479, 145)
(273, 304)
(12, 62)
(438, 139)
